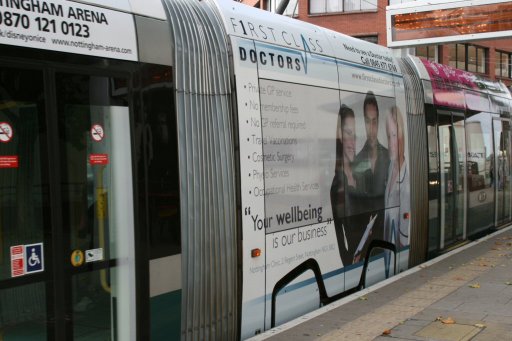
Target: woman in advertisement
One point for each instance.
(396, 226)
(344, 184)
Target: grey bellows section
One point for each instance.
(207, 171)
(418, 163)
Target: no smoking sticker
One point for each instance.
(5, 132)
(97, 132)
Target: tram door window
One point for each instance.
(479, 165)
(433, 185)
(502, 170)
(24, 203)
(66, 207)
(158, 182)
(97, 204)
(452, 147)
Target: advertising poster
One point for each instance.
(324, 174)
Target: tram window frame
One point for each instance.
(49, 62)
(56, 272)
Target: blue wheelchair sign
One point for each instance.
(34, 258)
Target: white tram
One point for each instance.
(185, 169)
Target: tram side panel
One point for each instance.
(286, 173)
(306, 217)
(292, 175)
(312, 227)
(269, 118)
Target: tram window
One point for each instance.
(479, 151)
(161, 154)
(23, 186)
(85, 101)
(24, 197)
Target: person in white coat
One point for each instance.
(397, 202)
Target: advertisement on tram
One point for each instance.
(323, 171)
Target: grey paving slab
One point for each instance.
(416, 322)
(432, 314)
(394, 338)
(407, 331)
(503, 319)
(449, 332)
(467, 308)
(494, 333)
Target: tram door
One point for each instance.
(501, 173)
(452, 148)
(66, 206)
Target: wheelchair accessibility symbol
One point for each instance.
(34, 258)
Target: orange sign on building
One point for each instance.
(448, 21)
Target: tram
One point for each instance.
(203, 170)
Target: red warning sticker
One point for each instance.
(17, 260)
(9, 161)
(98, 159)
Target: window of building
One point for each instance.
(291, 10)
(395, 2)
(336, 6)
(461, 56)
(371, 38)
(503, 64)
(468, 57)
(428, 52)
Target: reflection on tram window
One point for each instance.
(24, 315)
(480, 171)
(502, 169)
(85, 106)
(161, 156)
(92, 306)
(23, 197)
(21, 184)
(94, 146)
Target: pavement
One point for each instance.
(465, 294)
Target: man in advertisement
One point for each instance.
(370, 167)
(372, 162)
